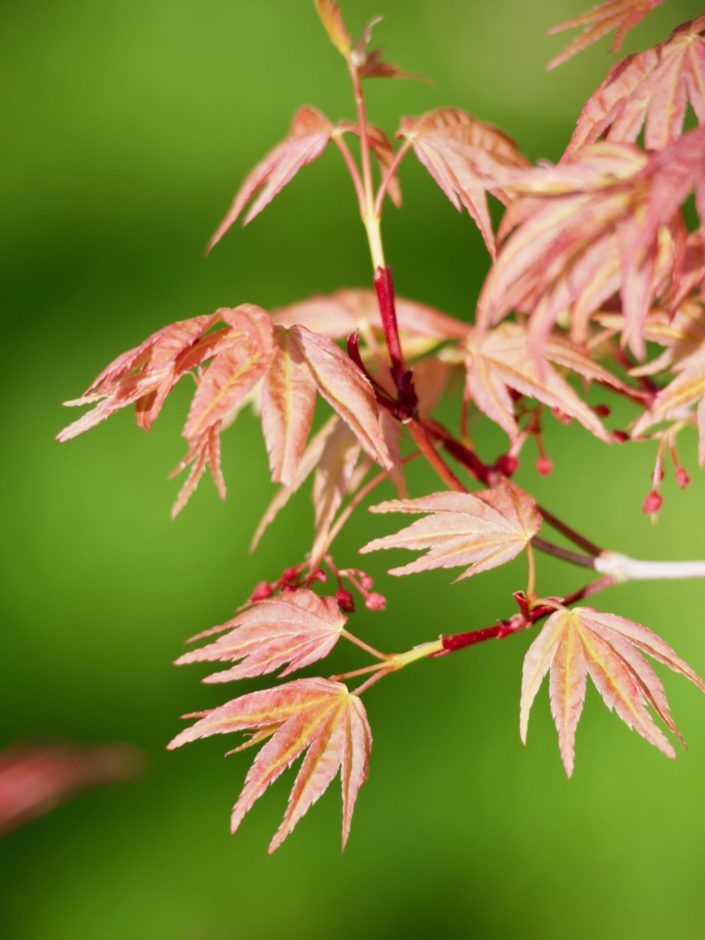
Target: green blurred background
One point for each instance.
(127, 126)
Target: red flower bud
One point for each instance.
(345, 600)
(682, 478)
(652, 503)
(619, 437)
(261, 592)
(375, 601)
(507, 465)
(544, 466)
(604, 411)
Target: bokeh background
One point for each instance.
(126, 128)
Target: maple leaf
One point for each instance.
(620, 15)
(672, 176)
(308, 137)
(675, 400)
(335, 475)
(240, 362)
(36, 778)
(482, 530)
(583, 231)
(340, 314)
(288, 402)
(309, 461)
(346, 390)
(500, 360)
(142, 376)
(465, 157)
(332, 19)
(652, 88)
(297, 628)
(317, 717)
(580, 642)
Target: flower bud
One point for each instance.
(507, 464)
(652, 503)
(261, 592)
(544, 465)
(375, 601)
(682, 478)
(345, 600)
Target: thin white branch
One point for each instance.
(623, 568)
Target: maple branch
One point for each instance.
(384, 288)
(390, 174)
(570, 533)
(565, 554)
(463, 454)
(420, 435)
(352, 169)
(624, 568)
(453, 642)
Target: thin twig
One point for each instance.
(390, 174)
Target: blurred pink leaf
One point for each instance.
(652, 88)
(620, 15)
(34, 779)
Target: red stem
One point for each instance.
(521, 621)
(384, 288)
(423, 442)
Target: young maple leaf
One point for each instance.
(482, 530)
(316, 716)
(293, 365)
(336, 474)
(582, 232)
(337, 315)
(652, 88)
(580, 642)
(500, 361)
(621, 15)
(308, 137)
(672, 176)
(240, 362)
(675, 400)
(346, 390)
(465, 157)
(332, 19)
(297, 628)
(143, 376)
